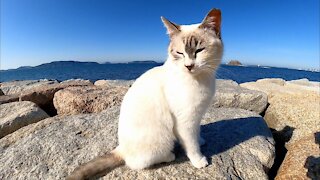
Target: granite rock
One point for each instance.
(88, 99)
(15, 115)
(302, 160)
(52, 148)
(230, 94)
(43, 95)
(16, 87)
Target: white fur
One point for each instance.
(166, 104)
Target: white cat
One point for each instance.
(166, 103)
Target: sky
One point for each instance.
(281, 33)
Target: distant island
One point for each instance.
(141, 62)
(72, 63)
(234, 63)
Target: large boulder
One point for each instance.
(292, 104)
(85, 81)
(88, 99)
(294, 109)
(15, 115)
(302, 160)
(301, 112)
(276, 86)
(16, 87)
(9, 98)
(230, 94)
(43, 95)
(52, 148)
(127, 83)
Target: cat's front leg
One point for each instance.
(188, 138)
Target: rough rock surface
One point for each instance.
(9, 98)
(230, 94)
(15, 115)
(43, 95)
(103, 83)
(278, 81)
(302, 160)
(15, 87)
(77, 81)
(52, 148)
(301, 111)
(291, 104)
(1, 93)
(276, 86)
(120, 82)
(90, 99)
(294, 107)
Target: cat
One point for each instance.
(166, 103)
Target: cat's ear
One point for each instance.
(172, 28)
(212, 21)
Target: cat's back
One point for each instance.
(146, 92)
(151, 78)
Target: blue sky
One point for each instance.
(283, 33)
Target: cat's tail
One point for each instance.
(97, 166)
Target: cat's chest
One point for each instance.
(188, 94)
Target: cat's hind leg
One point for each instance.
(142, 162)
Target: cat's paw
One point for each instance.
(200, 163)
(201, 141)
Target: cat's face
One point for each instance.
(196, 48)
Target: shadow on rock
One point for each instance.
(224, 135)
(313, 163)
(280, 137)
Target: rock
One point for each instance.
(302, 160)
(234, 63)
(127, 83)
(43, 95)
(52, 148)
(230, 94)
(106, 83)
(305, 82)
(9, 98)
(77, 81)
(102, 83)
(1, 93)
(15, 115)
(15, 87)
(291, 105)
(278, 81)
(90, 99)
(300, 111)
(276, 86)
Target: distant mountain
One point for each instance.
(24, 67)
(142, 62)
(70, 63)
(64, 64)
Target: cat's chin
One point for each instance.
(198, 72)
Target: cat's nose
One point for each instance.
(189, 67)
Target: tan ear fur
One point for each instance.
(212, 21)
(172, 28)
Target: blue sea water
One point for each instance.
(127, 71)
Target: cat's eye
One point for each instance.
(179, 53)
(199, 50)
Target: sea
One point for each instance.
(64, 70)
